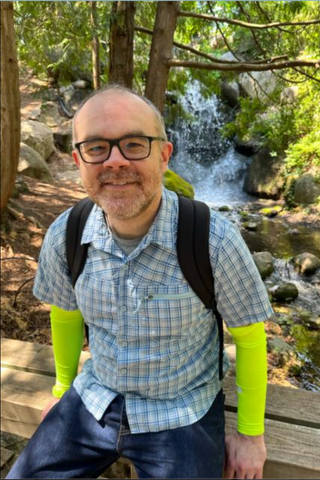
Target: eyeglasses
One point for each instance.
(132, 147)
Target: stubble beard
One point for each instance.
(125, 205)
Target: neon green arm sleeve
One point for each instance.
(67, 340)
(251, 377)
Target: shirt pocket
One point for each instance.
(167, 311)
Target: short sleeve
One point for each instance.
(240, 293)
(53, 282)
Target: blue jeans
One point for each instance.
(71, 443)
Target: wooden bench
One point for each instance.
(292, 416)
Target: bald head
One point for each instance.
(110, 95)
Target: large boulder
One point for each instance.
(230, 92)
(306, 263)
(285, 293)
(264, 263)
(31, 164)
(264, 177)
(258, 84)
(173, 181)
(306, 189)
(49, 114)
(38, 136)
(63, 137)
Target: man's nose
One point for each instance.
(116, 159)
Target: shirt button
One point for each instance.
(123, 370)
(123, 308)
(125, 267)
(124, 344)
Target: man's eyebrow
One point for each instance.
(87, 138)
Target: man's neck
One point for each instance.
(134, 227)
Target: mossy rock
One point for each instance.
(271, 211)
(173, 181)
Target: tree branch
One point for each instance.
(246, 24)
(245, 66)
(206, 55)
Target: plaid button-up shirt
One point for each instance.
(151, 338)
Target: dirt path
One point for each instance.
(23, 316)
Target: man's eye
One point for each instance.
(133, 145)
(95, 149)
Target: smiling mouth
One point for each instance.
(119, 184)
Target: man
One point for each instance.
(151, 389)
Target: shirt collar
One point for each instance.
(162, 231)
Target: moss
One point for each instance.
(272, 211)
(172, 181)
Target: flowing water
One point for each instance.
(210, 163)
(202, 155)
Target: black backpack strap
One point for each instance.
(194, 258)
(77, 253)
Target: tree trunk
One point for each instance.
(161, 52)
(10, 104)
(95, 47)
(121, 43)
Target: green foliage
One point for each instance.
(304, 153)
(54, 37)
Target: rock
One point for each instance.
(63, 138)
(285, 293)
(31, 164)
(313, 323)
(224, 208)
(264, 176)
(172, 181)
(67, 89)
(77, 98)
(251, 84)
(230, 57)
(289, 95)
(306, 263)
(306, 190)
(81, 84)
(230, 91)
(279, 347)
(50, 114)
(38, 136)
(35, 113)
(264, 263)
(20, 186)
(248, 149)
(271, 211)
(251, 226)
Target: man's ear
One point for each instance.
(166, 152)
(76, 158)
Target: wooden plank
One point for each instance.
(31, 357)
(286, 404)
(304, 407)
(25, 394)
(23, 397)
(290, 448)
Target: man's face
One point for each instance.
(124, 189)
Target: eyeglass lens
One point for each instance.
(133, 148)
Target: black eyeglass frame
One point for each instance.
(116, 142)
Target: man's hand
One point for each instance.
(245, 456)
(48, 407)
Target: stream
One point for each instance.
(207, 160)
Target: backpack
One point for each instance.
(192, 252)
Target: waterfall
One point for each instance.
(202, 155)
